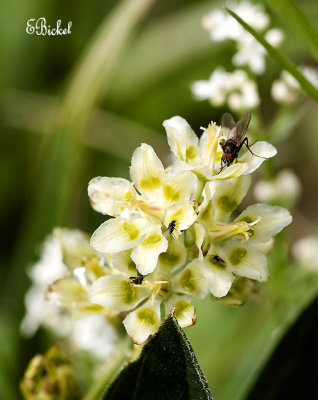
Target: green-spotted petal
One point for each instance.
(272, 220)
(182, 140)
(183, 214)
(146, 252)
(122, 261)
(260, 149)
(246, 260)
(191, 280)
(110, 195)
(180, 186)
(116, 292)
(174, 257)
(117, 234)
(227, 195)
(143, 322)
(184, 311)
(146, 170)
(217, 272)
(67, 292)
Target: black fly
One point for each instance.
(137, 280)
(172, 226)
(235, 137)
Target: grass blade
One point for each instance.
(298, 23)
(279, 57)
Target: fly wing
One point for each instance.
(227, 123)
(238, 132)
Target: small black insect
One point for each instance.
(219, 259)
(137, 280)
(235, 137)
(172, 226)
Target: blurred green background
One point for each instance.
(74, 107)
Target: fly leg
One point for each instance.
(245, 141)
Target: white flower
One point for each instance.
(235, 248)
(285, 187)
(223, 26)
(305, 252)
(162, 197)
(62, 253)
(286, 89)
(203, 156)
(39, 311)
(234, 88)
(95, 335)
(141, 301)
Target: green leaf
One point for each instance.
(291, 372)
(279, 57)
(298, 23)
(166, 369)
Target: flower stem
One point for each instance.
(201, 184)
(109, 372)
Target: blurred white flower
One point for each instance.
(286, 89)
(285, 187)
(43, 273)
(305, 252)
(64, 250)
(251, 53)
(234, 88)
(94, 335)
(223, 26)
(311, 74)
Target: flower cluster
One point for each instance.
(223, 26)
(238, 89)
(63, 255)
(235, 89)
(174, 234)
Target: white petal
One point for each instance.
(74, 245)
(183, 214)
(184, 310)
(262, 151)
(199, 238)
(146, 253)
(179, 187)
(122, 261)
(117, 234)
(67, 292)
(116, 292)
(246, 260)
(272, 220)
(143, 322)
(110, 195)
(146, 169)
(227, 195)
(182, 140)
(217, 272)
(174, 257)
(192, 280)
(220, 282)
(233, 171)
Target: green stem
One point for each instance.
(201, 184)
(109, 372)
